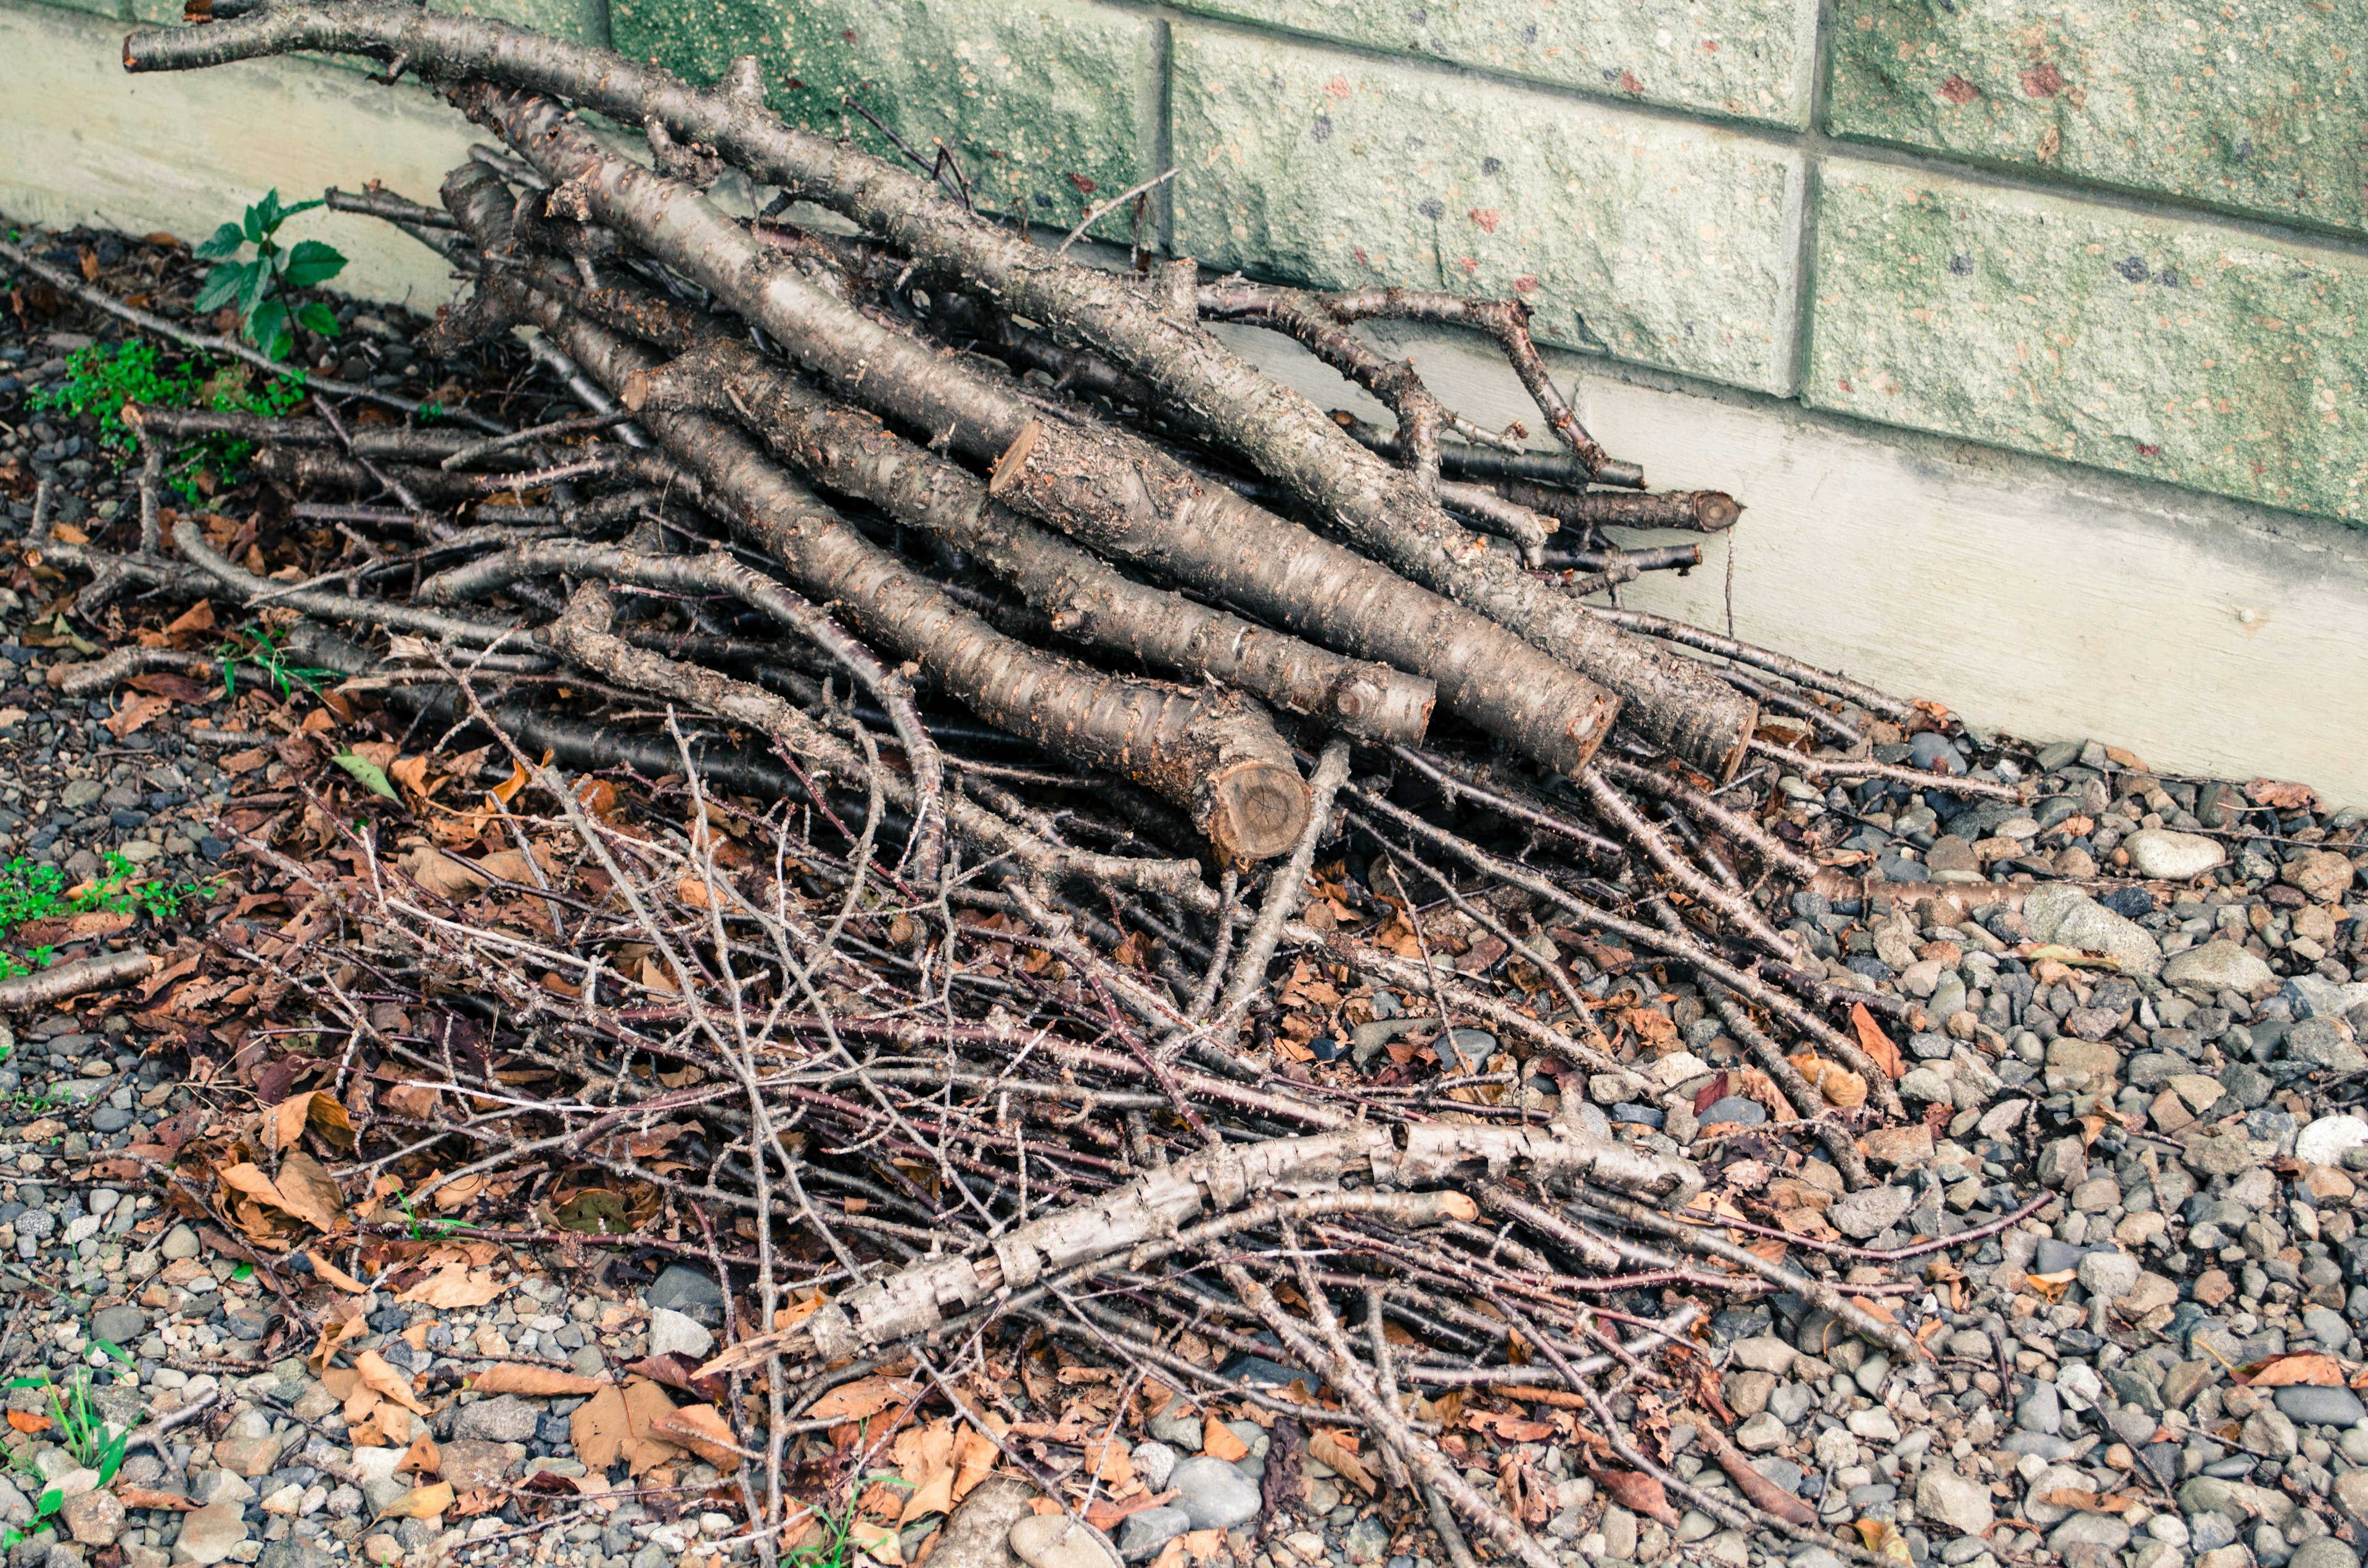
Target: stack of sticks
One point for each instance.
(1014, 653)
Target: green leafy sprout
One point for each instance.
(262, 288)
(101, 379)
(82, 1430)
(263, 654)
(32, 889)
(428, 1230)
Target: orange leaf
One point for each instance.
(420, 1503)
(135, 712)
(2285, 1371)
(198, 617)
(1217, 1440)
(386, 1382)
(702, 1430)
(453, 1287)
(1874, 1043)
(537, 1382)
(26, 1421)
(323, 1269)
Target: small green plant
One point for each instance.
(264, 654)
(101, 379)
(426, 1229)
(261, 288)
(29, 890)
(10, 968)
(836, 1547)
(84, 1434)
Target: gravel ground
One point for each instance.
(2191, 1115)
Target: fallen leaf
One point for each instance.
(2089, 1502)
(454, 1287)
(135, 712)
(702, 1429)
(422, 1458)
(1217, 1440)
(976, 1457)
(198, 617)
(420, 1503)
(1638, 1493)
(446, 876)
(386, 1382)
(369, 775)
(28, 1420)
(148, 1497)
(308, 1192)
(1882, 1539)
(537, 1382)
(852, 1401)
(286, 1121)
(2282, 797)
(2286, 1372)
(598, 1429)
(879, 1542)
(647, 1404)
(323, 1269)
(1874, 1043)
(1325, 1448)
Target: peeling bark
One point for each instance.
(1088, 600)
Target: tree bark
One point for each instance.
(1091, 602)
(1214, 754)
(1671, 699)
(1104, 487)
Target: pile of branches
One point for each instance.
(978, 752)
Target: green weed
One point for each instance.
(261, 288)
(84, 1434)
(265, 655)
(101, 379)
(31, 890)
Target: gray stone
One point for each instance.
(1947, 1498)
(180, 1241)
(2054, 1478)
(210, 1534)
(1143, 1534)
(2323, 1141)
(1055, 1540)
(1366, 1540)
(673, 1333)
(1155, 1462)
(2172, 856)
(2110, 1275)
(1179, 1424)
(2104, 1531)
(1619, 1535)
(505, 1418)
(1870, 1211)
(1217, 1495)
(2055, 913)
(2217, 967)
(119, 1325)
(690, 1291)
(2319, 1044)
(2324, 1552)
(2313, 1406)
(1761, 1432)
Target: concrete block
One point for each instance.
(1048, 104)
(2181, 352)
(1654, 239)
(1748, 59)
(582, 21)
(2252, 107)
(83, 142)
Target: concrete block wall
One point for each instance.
(2131, 234)
(2028, 332)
